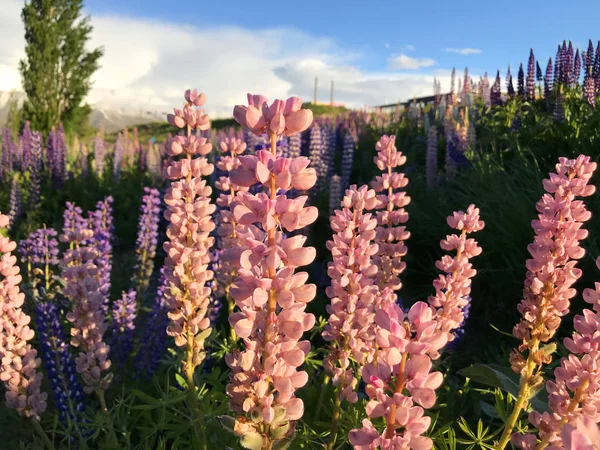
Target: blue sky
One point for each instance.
(375, 51)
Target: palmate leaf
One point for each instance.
(504, 378)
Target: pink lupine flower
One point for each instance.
(353, 290)
(407, 343)
(391, 215)
(585, 435)
(279, 118)
(82, 287)
(452, 289)
(552, 270)
(574, 394)
(189, 212)
(18, 360)
(270, 296)
(228, 228)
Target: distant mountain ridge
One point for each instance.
(111, 119)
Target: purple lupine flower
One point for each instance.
(335, 194)
(596, 69)
(557, 69)
(576, 69)
(521, 82)
(294, 145)
(73, 219)
(26, 142)
(123, 327)
(147, 239)
(153, 344)
(6, 152)
(496, 93)
(328, 154)
(531, 76)
(35, 169)
(589, 88)
(39, 252)
(568, 75)
(59, 363)
(432, 154)
(460, 331)
(548, 81)
(588, 60)
(316, 157)
(14, 202)
(347, 160)
(510, 89)
(118, 158)
(539, 76)
(99, 155)
(83, 161)
(61, 156)
(101, 223)
(565, 64)
(559, 107)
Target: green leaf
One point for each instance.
(181, 381)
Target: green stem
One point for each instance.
(111, 429)
(43, 435)
(320, 403)
(337, 406)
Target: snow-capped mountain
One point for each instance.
(112, 119)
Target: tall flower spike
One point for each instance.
(99, 155)
(88, 317)
(453, 288)
(18, 360)
(352, 294)
(551, 272)
(316, 155)
(400, 384)
(228, 227)
(347, 159)
(531, 76)
(432, 157)
(521, 82)
(123, 327)
(147, 240)
(102, 224)
(391, 215)
(548, 81)
(270, 296)
(15, 202)
(189, 212)
(496, 92)
(335, 194)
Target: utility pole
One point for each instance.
(315, 100)
(331, 99)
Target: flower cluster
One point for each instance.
(18, 360)
(347, 159)
(353, 289)
(39, 252)
(15, 203)
(453, 288)
(59, 363)
(80, 275)
(271, 298)
(432, 157)
(400, 384)
(335, 194)
(189, 211)
(147, 239)
(101, 223)
(123, 327)
(552, 269)
(99, 155)
(391, 215)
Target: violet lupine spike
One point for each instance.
(391, 216)
(508, 81)
(26, 143)
(39, 252)
(589, 89)
(118, 158)
(596, 70)
(73, 220)
(123, 327)
(347, 162)
(521, 82)
(588, 60)
(99, 155)
(147, 239)
(552, 269)
(18, 359)
(316, 156)
(101, 223)
(569, 64)
(59, 364)
(61, 156)
(335, 194)
(431, 160)
(352, 291)
(495, 92)
(327, 156)
(6, 153)
(548, 81)
(565, 64)
(530, 77)
(453, 287)
(557, 67)
(576, 69)
(294, 146)
(539, 76)
(270, 295)
(35, 168)
(153, 344)
(189, 211)
(15, 202)
(559, 107)
(79, 273)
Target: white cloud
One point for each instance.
(148, 64)
(386, 45)
(403, 61)
(464, 51)
(410, 47)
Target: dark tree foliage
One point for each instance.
(57, 68)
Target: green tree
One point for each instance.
(57, 69)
